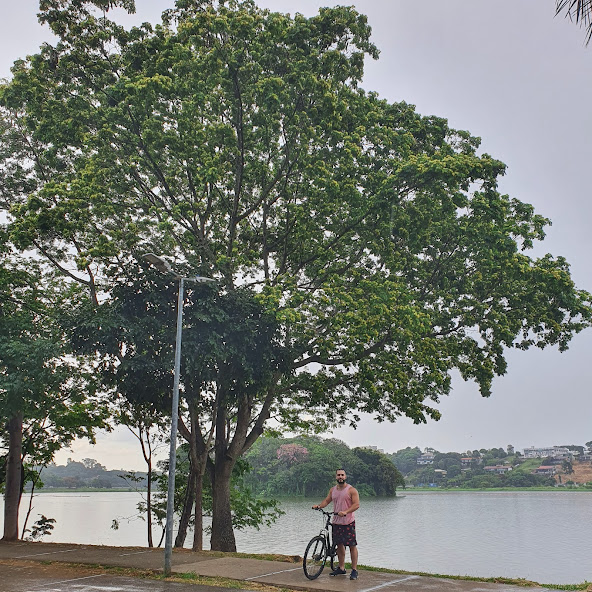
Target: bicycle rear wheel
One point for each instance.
(315, 557)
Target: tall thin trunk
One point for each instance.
(198, 526)
(14, 466)
(30, 508)
(187, 504)
(198, 456)
(149, 504)
(147, 453)
(201, 462)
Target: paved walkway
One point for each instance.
(277, 573)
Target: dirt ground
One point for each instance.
(582, 473)
(50, 570)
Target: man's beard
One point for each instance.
(340, 480)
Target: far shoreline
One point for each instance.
(399, 493)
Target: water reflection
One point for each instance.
(534, 535)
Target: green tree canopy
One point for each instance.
(406, 460)
(372, 241)
(312, 466)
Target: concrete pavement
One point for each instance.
(29, 578)
(283, 574)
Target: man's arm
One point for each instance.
(355, 496)
(325, 502)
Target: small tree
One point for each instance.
(46, 398)
(40, 528)
(147, 425)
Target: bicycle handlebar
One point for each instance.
(326, 513)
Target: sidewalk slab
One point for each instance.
(276, 573)
(290, 575)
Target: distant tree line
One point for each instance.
(86, 474)
(306, 466)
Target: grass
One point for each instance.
(196, 579)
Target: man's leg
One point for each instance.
(341, 556)
(353, 551)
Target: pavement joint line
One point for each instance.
(273, 573)
(514, 589)
(135, 553)
(66, 581)
(390, 583)
(48, 553)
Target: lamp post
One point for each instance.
(163, 265)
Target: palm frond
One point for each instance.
(578, 10)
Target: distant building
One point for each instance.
(373, 448)
(545, 470)
(557, 452)
(427, 458)
(497, 469)
(468, 461)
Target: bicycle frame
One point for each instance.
(326, 531)
(315, 557)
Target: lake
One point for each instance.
(541, 536)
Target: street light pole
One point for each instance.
(163, 265)
(170, 513)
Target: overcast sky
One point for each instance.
(513, 74)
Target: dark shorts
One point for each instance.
(345, 534)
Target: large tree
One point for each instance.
(372, 249)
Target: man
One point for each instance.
(346, 501)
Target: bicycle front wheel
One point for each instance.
(315, 557)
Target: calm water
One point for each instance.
(536, 535)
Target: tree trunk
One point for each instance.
(149, 505)
(145, 443)
(222, 538)
(222, 532)
(198, 457)
(14, 465)
(198, 527)
(187, 504)
(226, 455)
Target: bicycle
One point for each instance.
(319, 550)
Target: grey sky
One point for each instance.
(511, 73)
